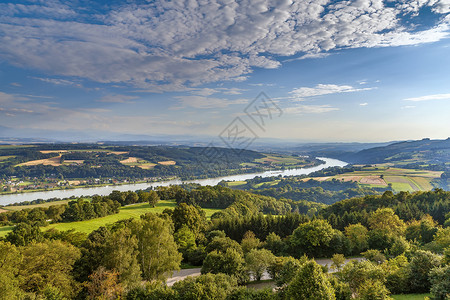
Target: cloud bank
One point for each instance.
(172, 45)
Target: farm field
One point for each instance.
(46, 204)
(401, 179)
(126, 212)
(377, 177)
(137, 162)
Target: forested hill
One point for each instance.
(81, 161)
(421, 151)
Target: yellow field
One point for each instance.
(167, 162)
(54, 161)
(46, 204)
(129, 160)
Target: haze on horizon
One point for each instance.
(338, 70)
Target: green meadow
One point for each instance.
(126, 212)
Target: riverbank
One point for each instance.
(106, 190)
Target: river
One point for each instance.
(106, 190)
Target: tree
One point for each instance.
(385, 220)
(310, 283)
(249, 242)
(356, 274)
(221, 244)
(120, 257)
(283, 269)
(274, 243)
(24, 234)
(373, 289)
(440, 282)
(158, 255)
(10, 260)
(357, 236)
(49, 263)
(313, 238)
(191, 216)
(258, 261)
(338, 261)
(374, 256)
(153, 198)
(104, 284)
(185, 240)
(421, 264)
(229, 262)
(205, 287)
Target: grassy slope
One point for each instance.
(130, 211)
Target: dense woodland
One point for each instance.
(404, 238)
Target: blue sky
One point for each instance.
(338, 70)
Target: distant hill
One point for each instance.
(335, 150)
(424, 151)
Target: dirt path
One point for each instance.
(182, 274)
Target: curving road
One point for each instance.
(182, 274)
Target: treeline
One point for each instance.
(407, 206)
(78, 209)
(297, 189)
(235, 202)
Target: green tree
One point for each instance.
(205, 287)
(192, 216)
(274, 243)
(258, 260)
(440, 282)
(229, 262)
(120, 256)
(49, 263)
(313, 238)
(185, 240)
(310, 283)
(373, 290)
(374, 256)
(221, 244)
(357, 236)
(158, 254)
(356, 274)
(10, 260)
(249, 242)
(385, 220)
(24, 234)
(338, 261)
(153, 198)
(421, 264)
(283, 269)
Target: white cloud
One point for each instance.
(59, 81)
(364, 104)
(167, 45)
(201, 102)
(324, 89)
(310, 109)
(429, 97)
(117, 99)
